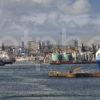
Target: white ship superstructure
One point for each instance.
(98, 58)
(4, 55)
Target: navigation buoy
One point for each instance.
(98, 58)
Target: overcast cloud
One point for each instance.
(48, 18)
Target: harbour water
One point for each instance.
(31, 82)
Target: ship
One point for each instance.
(69, 58)
(71, 62)
(2, 63)
(75, 72)
(6, 58)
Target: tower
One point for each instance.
(23, 45)
(3, 47)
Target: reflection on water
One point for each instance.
(31, 82)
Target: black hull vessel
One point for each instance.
(10, 61)
(2, 63)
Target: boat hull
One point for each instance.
(2, 63)
(98, 62)
(59, 63)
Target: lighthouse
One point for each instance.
(98, 58)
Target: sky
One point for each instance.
(27, 19)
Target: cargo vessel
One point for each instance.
(68, 58)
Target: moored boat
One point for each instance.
(70, 58)
(71, 62)
(2, 63)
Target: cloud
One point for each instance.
(35, 18)
(43, 1)
(66, 6)
(47, 17)
(80, 20)
(77, 7)
(81, 6)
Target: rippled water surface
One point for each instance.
(31, 82)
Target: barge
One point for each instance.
(72, 75)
